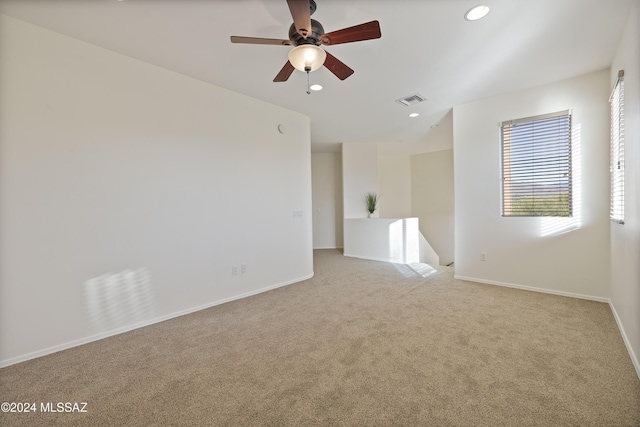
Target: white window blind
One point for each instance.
(617, 150)
(536, 165)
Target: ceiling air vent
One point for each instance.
(411, 100)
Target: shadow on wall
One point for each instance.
(116, 299)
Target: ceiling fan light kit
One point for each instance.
(306, 35)
(307, 57)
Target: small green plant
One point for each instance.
(372, 199)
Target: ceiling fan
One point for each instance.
(307, 35)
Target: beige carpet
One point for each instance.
(362, 343)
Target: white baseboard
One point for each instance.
(533, 289)
(86, 340)
(369, 258)
(634, 358)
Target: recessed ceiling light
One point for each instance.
(475, 13)
(315, 87)
(414, 115)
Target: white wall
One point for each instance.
(359, 176)
(394, 180)
(432, 200)
(326, 178)
(567, 255)
(625, 239)
(383, 239)
(128, 192)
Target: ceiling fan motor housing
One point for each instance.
(316, 32)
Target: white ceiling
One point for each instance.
(427, 48)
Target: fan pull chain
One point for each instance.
(307, 69)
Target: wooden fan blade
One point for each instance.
(284, 74)
(357, 33)
(258, 40)
(301, 14)
(337, 67)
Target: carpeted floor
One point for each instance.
(361, 343)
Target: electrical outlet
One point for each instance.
(483, 256)
(234, 270)
(243, 268)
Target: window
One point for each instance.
(617, 150)
(536, 166)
